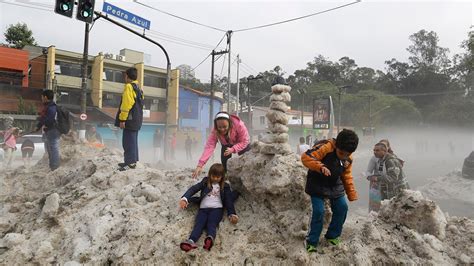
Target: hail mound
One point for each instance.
(88, 212)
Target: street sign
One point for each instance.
(146, 113)
(125, 15)
(83, 116)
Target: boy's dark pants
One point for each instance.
(130, 146)
(208, 218)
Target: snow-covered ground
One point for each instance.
(88, 212)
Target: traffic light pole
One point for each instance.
(85, 57)
(168, 70)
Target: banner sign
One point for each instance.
(321, 113)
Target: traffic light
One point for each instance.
(64, 7)
(85, 10)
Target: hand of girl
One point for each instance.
(227, 152)
(183, 204)
(233, 218)
(197, 172)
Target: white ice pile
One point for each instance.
(87, 212)
(450, 187)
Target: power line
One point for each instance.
(297, 18)
(426, 93)
(182, 39)
(27, 6)
(153, 33)
(209, 54)
(223, 63)
(176, 16)
(171, 41)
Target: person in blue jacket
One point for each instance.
(215, 196)
(47, 121)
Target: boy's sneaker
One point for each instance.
(187, 245)
(310, 248)
(334, 241)
(127, 167)
(208, 243)
(121, 164)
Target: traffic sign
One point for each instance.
(125, 15)
(83, 116)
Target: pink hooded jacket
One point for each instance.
(238, 136)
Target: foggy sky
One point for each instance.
(369, 32)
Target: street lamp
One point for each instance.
(249, 117)
(376, 112)
(341, 88)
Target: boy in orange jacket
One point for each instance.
(330, 176)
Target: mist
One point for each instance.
(427, 153)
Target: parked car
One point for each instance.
(468, 167)
(37, 140)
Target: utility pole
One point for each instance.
(340, 104)
(370, 112)
(211, 102)
(229, 35)
(85, 61)
(340, 109)
(249, 109)
(249, 117)
(302, 92)
(238, 87)
(302, 114)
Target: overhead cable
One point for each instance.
(178, 17)
(297, 18)
(209, 54)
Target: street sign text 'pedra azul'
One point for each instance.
(125, 15)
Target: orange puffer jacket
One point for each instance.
(340, 181)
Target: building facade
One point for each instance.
(106, 82)
(21, 81)
(194, 109)
(13, 66)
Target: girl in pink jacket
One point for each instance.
(233, 135)
(9, 146)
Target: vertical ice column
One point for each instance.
(277, 141)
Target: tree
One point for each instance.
(385, 110)
(195, 84)
(463, 69)
(454, 110)
(425, 52)
(18, 36)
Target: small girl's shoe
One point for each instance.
(208, 243)
(187, 245)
